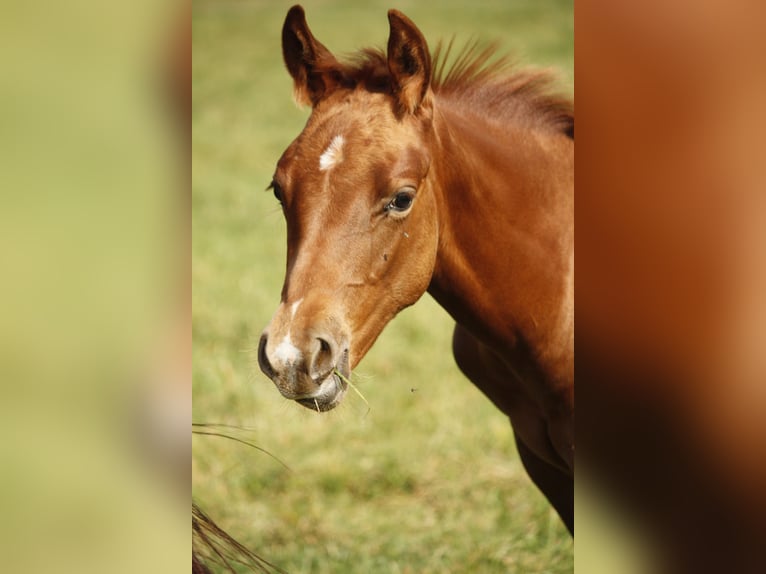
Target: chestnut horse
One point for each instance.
(408, 178)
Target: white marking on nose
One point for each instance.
(294, 308)
(286, 352)
(333, 155)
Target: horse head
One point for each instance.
(362, 231)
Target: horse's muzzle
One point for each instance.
(314, 377)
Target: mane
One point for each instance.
(479, 78)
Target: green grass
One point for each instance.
(425, 479)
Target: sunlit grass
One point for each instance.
(422, 475)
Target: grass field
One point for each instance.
(427, 479)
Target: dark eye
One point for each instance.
(277, 189)
(401, 201)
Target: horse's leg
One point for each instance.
(544, 465)
(557, 486)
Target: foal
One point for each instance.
(407, 178)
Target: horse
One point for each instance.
(411, 177)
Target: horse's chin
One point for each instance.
(330, 394)
(316, 405)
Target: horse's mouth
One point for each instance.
(315, 405)
(330, 394)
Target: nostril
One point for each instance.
(263, 360)
(323, 360)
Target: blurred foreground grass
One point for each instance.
(428, 480)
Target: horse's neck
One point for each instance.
(505, 195)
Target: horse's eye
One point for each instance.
(277, 189)
(401, 201)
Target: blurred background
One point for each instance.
(424, 477)
(95, 342)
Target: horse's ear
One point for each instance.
(409, 62)
(308, 61)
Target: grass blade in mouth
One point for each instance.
(353, 386)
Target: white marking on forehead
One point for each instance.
(294, 308)
(286, 352)
(333, 155)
